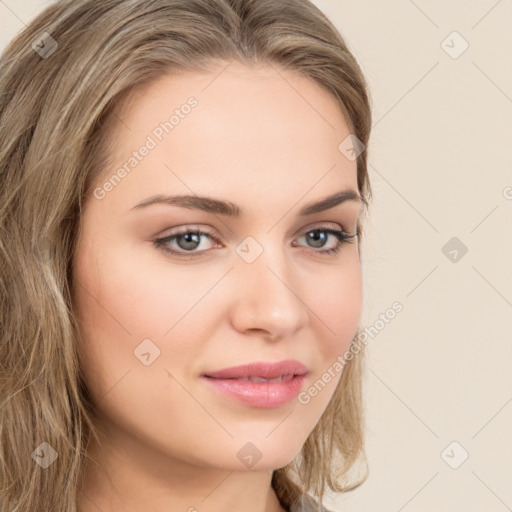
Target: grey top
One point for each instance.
(307, 504)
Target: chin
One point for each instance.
(256, 456)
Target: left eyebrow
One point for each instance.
(330, 202)
(228, 208)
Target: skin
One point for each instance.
(168, 442)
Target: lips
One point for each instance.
(261, 371)
(259, 384)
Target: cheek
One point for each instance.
(122, 299)
(125, 296)
(336, 310)
(336, 306)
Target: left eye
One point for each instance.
(190, 239)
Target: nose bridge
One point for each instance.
(269, 292)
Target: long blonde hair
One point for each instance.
(60, 80)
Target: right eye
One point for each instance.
(187, 240)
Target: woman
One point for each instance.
(176, 177)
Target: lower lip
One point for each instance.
(259, 394)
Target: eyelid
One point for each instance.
(324, 225)
(187, 228)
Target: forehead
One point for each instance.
(248, 126)
(251, 94)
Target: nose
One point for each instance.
(269, 296)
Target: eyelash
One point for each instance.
(161, 243)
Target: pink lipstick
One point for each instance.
(260, 384)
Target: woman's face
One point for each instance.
(258, 286)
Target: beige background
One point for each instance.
(440, 164)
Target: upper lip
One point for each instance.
(266, 370)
